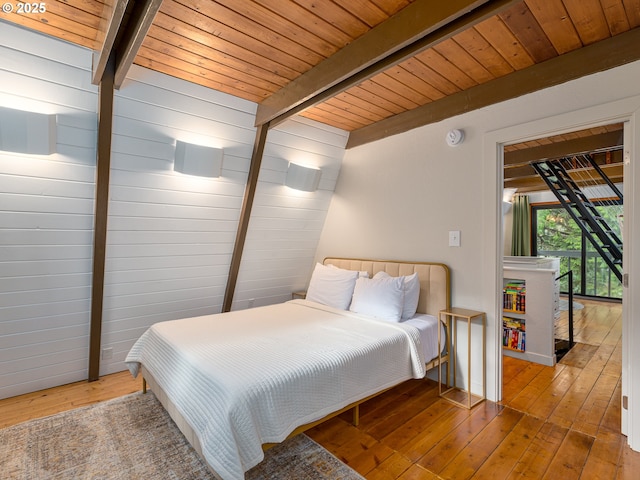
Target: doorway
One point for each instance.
(623, 111)
(554, 232)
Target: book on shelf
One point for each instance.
(514, 296)
(514, 334)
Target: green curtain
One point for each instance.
(521, 233)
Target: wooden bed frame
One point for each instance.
(435, 295)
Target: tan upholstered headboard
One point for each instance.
(435, 294)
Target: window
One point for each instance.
(558, 235)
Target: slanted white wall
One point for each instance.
(399, 197)
(170, 236)
(46, 217)
(285, 224)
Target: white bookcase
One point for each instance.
(537, 312)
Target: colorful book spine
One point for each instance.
(514, 296)
(514, 334)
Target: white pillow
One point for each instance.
(332, 286)
(379, 297)
(411, 285)
(362, 273)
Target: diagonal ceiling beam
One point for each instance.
(136, 29)
(245, 214)
(413, 29)
(123, 27)
(101, 215)
(597, 57)
(110, 22)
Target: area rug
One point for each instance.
(133, 437)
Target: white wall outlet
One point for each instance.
(454, 238)
(251, 302)
(107, 353)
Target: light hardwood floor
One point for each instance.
(554, 422)
(66, 397)
(560, 422)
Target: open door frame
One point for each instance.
(628, 112)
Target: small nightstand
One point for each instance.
(456, 395)
(302, 294)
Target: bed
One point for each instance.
(240, 381)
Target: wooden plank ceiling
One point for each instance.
(338, 61)
(603, 144)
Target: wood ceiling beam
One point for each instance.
(110, 23)
(245, 214)
(525, 171)
(524, 178)
(123, 26)
(519, 172)
(101, 215)
(136, 29)
(602, 141)
(605, 159)
(612, 52)
(120, 44)
(413, 29)
(583, 177)
(614, 171)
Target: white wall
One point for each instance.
(286, 224)
(46, 217)
(397, 198)
(170, 236)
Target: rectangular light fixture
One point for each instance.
(27, 132)
(303, 178)
(198, 160)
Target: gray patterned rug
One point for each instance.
(134, 438)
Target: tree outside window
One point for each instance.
(558, 235)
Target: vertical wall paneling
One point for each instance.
(46, 216)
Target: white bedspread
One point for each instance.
(250, 377)
(428, 326)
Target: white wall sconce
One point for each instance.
(27, 132)
(303, 178)
(198, 160)
(455, 137)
